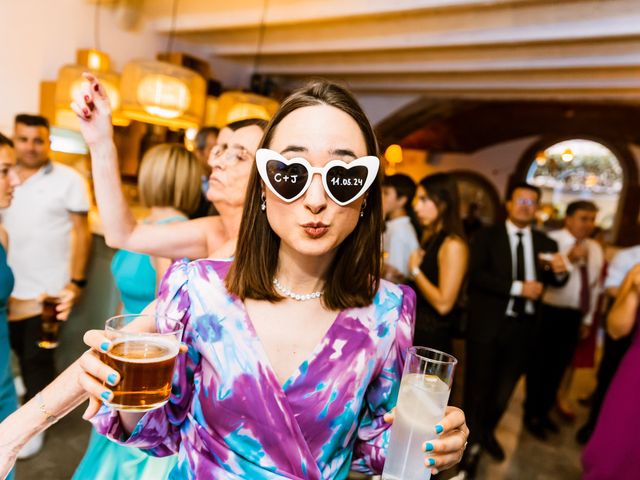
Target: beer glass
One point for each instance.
(545, 259)
(144, 360)
(50, 325)
(424, 393)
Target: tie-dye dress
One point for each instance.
(229, 417)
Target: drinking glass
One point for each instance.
(144, 360)
(424, 393)
(50, 325)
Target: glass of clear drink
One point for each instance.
(144, 360)
(424, 393)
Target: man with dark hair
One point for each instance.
(49, 242)
(505, 285)
(567, 313)
(400, 238)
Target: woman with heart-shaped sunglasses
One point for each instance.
(294, 349)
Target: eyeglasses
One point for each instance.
(231, 155)
(289, 179)
(526, 202)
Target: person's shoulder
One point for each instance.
(394, 295)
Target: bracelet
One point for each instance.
(79, 283)
(415, 271)
(51, 418)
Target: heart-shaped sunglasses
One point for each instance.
(289, 179)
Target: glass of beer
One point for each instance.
(144, 360)
(50, 325)
(424, 393)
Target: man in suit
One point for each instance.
(506, 281)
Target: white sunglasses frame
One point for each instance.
(263, 155)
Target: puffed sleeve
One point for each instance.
(158, 431)
(373, 432)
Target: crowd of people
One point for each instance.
(315, 293)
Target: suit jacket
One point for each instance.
(491, 277)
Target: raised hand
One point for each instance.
(92, 106)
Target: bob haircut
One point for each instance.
(353, 277)
(442, 189)
(170, 176)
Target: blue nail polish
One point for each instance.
(111, 379)
(104, 346)
(432, 462)
(428, 447)
(105, 395)
(439, 429)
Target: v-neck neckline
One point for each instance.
(308, 357)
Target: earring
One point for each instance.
(364, 205)
(263, 203)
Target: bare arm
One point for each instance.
(185, 239)
(622, 316)
(452, 263)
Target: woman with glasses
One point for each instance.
(295, 347)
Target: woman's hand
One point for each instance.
(447, 449)
(96, 373)
(93, 108)
(415, 259)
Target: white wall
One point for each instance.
(39, 36)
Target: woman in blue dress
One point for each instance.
(8, 180)
(168, 184)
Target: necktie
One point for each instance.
(585, 294)
(519, 302)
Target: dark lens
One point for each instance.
(287, 180)
(346, 183)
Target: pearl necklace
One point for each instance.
(296, 296)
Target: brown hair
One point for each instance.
(170, 176)
(354, 275)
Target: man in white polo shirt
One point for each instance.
(49, 242)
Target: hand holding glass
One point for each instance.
(144, 361)
(424, 393)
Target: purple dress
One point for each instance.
(613, 452)
(229, 417)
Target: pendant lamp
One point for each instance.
(163, 94)
(70, 81)
(237, 105)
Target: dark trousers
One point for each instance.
(492, 372)
(36, 364)
(613, 353)
(556, 341)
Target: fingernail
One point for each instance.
(432, 462)
(106, 395)
(85, 111)
(104, 346)
(112, 378)
(428, 447)
(96, 87)
(87, 98)
(439, 429)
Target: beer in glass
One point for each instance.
(424, 393)
(144, 360)
(50, 325)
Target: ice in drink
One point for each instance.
(421, 404)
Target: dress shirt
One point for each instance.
(529, 264)
(400, 240)
(620, 266)
(568, 296)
